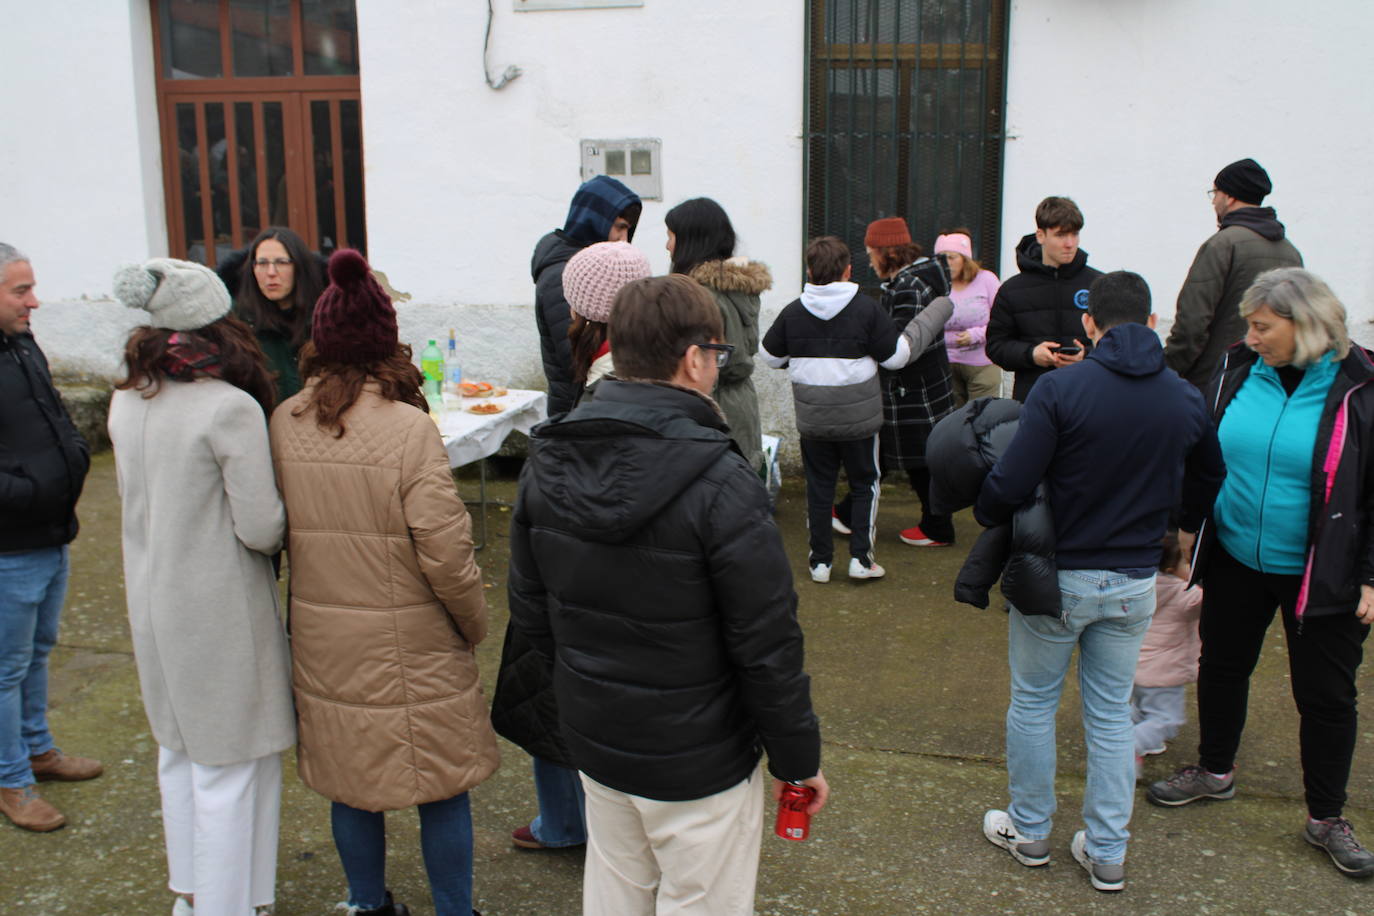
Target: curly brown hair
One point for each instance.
(241, 361)
(337, 385)
(889, 259)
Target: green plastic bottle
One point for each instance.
(432, 365)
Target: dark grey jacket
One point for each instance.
(1207, 319)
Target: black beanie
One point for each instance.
(1246, 181)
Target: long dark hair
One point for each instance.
(586, 337)
(337, 385)
(264, 314)
(701, 232)
(241, 362)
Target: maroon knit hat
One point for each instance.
(887, 232)
(355, 321)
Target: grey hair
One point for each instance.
(9, 255)
(1304, 299)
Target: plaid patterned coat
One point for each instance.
(918, 396)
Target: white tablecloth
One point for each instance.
(471, 437)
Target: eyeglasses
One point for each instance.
(723, 352)
(279, 263)
(1213, 192)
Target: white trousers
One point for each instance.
(658, 858)
(221, 830)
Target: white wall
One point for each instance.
(81, 160)
(463, 180)
(1132, 108)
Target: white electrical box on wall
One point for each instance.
(531, 5)
(635, 163)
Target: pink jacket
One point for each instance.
(1169, 655)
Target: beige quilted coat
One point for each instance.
(386, 605)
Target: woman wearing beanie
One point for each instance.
(916, 397)
(276, 297)
(524, 710)
(201, 521)
(972, 288)
(702, 244)
(386, 601)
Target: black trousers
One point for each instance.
(1237, 607)
(822, 460)
(936, 527)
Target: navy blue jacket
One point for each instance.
(1119, 440)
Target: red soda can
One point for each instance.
(793, 822)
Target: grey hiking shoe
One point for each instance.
(1188, 785)
(1000, 831)
(1335, 835)
(1105, 877)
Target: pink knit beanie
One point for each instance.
(955, 243)
(596, 273)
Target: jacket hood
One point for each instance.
(1129, 349)
(1028, 252)
(594, 208)
(611, 466)
(1261, 220)
(554, 248)
(733, 275)
(828, 300)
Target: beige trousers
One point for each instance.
(657, 858)
(974, 382)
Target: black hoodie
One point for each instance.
(647, 573)
(1119, 440)
(1038, 304)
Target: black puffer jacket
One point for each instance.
(963, 447)
(1038, 304)
(43, 459)
(647, 572)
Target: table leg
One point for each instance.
(482, 500)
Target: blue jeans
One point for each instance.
(32, 586)
(445, 842)
(562, 818)
(1105, 616)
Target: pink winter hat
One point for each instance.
(596, 273)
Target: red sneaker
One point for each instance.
(917, 538)
(523, 838)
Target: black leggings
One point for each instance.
(1237, 607)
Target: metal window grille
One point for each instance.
(905, 113)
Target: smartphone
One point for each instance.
(1069, 350)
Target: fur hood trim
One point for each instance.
(733, 275)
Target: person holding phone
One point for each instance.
(1036, 320)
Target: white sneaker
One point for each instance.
(839, 526)
(859, 571)
(820, 573)
(1000, 831)
(1104, 877)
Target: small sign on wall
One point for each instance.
(531, 5)
(635, 163)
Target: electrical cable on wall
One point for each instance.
(511, 72)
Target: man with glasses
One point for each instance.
(1249, 241)
(832, 340)
(647, 572)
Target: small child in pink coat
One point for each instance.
(1169, 655)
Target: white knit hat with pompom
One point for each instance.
(180, 295)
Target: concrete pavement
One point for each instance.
(911, 689)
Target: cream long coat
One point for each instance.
(201, 519)
(386, 605)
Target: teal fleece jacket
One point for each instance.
(1268, 438)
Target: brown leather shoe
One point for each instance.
(54, 764)
(28, 810)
